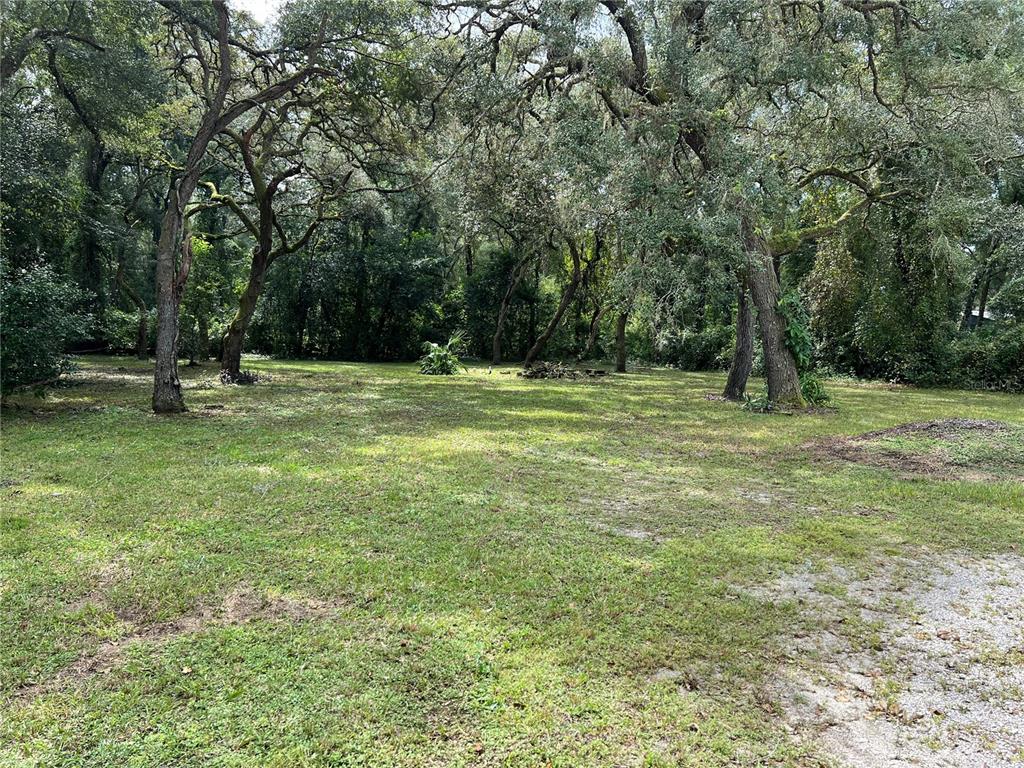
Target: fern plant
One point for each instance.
(442, 359)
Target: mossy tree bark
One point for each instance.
(780, 365)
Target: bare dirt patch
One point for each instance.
(966, 449)
(241, 605)
(920, 664)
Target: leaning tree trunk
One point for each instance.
(567, 296)
(506, 302)
(234, 337)
(620, 342)
(595, 326)
(780, 366)
(743, 353)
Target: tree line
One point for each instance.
(785, 187)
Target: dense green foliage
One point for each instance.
(442, 359)
(40, 318)
(442, 167)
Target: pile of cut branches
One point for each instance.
(543, 370)
(242, 377)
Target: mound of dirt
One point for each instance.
(964, 449)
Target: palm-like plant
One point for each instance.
(442, 359)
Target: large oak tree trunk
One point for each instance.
(780, 366)
(170, 277)
(743, 352)
(620, 342)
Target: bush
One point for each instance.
(442, 360)
(989, 358)
(39, 322)
(120, 329)
(709, 349)
(813, 389)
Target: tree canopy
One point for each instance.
(786, 187)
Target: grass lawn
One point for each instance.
(359, 565)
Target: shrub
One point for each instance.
(989, 358)
(442, 360)
(813, 389)
(39, 322)
(705, 350)
(120, 329)
(759, 403)
(798, 335)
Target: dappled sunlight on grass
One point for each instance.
(525, 571)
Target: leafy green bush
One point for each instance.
(709, 349)
(798, 334)
(39, 322)
(989, 358)
(813, 389)
(759, 403)
(801, 344)
(442, 360)
(120, 329)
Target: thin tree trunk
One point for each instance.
(531, 329)
(595, 326)
(743, 353)
(620, 342)
(780, 366)
(567, 296)
(234, 336)
(972, 294)
(142, 336)
(142, 333)
(983, 298)
(203, 353)
(506, 302)
(300, 332)
(92, 268)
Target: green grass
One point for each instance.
(507, 564)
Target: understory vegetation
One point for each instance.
(354, 564)
(788, 189)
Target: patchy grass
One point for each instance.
(495, 571)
